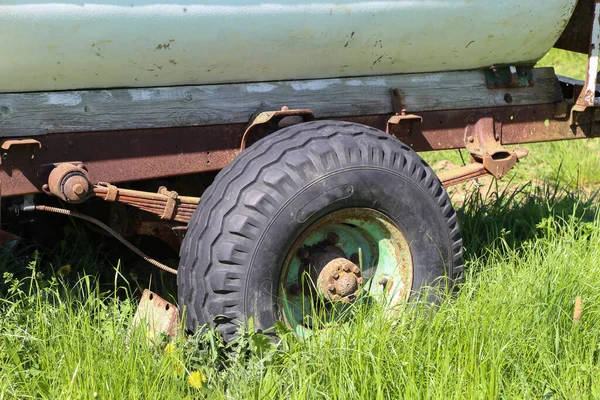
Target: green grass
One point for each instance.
(507, 333)
(531, 249)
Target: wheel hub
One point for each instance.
(340, 279)
(342, 258)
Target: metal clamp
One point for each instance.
(271, 119)
(169, 210)
(9, 145)
(402, 125)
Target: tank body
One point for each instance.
(75, 44)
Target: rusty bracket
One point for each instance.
(158, 315)
(269, 122)
(402, 125)
(471, 171)
(169, 211)
(8, 146)
(508, 77)
(483, 141)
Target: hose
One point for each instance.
(106, 228)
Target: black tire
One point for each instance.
(232, 255)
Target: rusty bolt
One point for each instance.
(285, 108)
(294, 289)
(508, 98)
(355, 269)
(333, 237)
(331, 288)
(78, 189)
(470, 138)
(347, 285)
(335, 275)
(360, 280)
(346, 268)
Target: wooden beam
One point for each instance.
(31, 114)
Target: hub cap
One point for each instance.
(345, 256)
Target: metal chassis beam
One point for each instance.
(132, 155)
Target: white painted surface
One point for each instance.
(72, 44)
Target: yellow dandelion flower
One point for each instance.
(64, 270)
(196, 379)
(177, 368)
(169, 349)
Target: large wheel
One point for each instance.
(289, 216)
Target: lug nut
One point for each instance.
(360, 280)
(78, 189)
(383, 281)
(331, 287)
(333, 237)
(346, 268)
(302, 253)
(335, 275)
(355, 269)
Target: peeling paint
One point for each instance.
(260, 88)
(380, 82)
(314, 85)
(63, 99)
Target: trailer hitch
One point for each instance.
(482, 140)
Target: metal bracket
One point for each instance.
(402, 125)
(269, 121)
(8, 147)
(508, 77)
(158, 315)
(483, 141)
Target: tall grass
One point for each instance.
(509, 331)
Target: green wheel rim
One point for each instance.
(385, 263)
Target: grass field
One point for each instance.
(532, 248)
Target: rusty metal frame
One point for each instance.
(157, 153)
